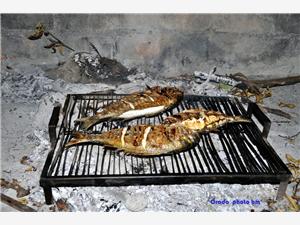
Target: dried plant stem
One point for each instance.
(58, 40)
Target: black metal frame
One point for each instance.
(275, 173)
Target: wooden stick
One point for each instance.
(265, 83)
(277, 82)
(48, 33)
(278, 112)
(15, 204)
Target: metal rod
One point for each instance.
(207, 155)
(97, 160)
(102, 161)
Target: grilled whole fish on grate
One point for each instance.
(203, 120)
(142, 140)
(150, 102)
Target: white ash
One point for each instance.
(172, 198)
(29, 87)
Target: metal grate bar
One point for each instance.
(177, 163)
(206, 154)
(61, 132)
(126, 171)
(186, 162)
(172, 164)
(216, 156)
(97, 160)
(119, 161)
(204, 158)
(165, 164)
(132, 167)
(193, 161)
(78, 160)
(150, 165)
(154, 166)
(59, 156)
(198, 160)
(241, 166)
(143, 165)
(85, 160)
(102, 161)
(232, 153)
(274, 165)
(212, 153)
(228, 155)
(256, 156)
(109, 162)
(249, 161)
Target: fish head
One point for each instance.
(174, 94)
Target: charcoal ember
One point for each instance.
(62, 205)
(25, 160)
(115, 207)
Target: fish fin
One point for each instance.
(88, 122)
(148, 87)
(108, 147)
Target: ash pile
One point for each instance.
(100, 68)
(92, 67)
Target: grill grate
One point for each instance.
(238, 153)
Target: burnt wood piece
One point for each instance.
(278, 112)
(14, 184)
(254, 85)
(277, 82)
(15, 204)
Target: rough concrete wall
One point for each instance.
(166, 44)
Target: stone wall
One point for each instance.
(165, 44)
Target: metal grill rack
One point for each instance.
(238, 153)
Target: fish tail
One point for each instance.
(80, 138)
(240, 119)
(88, 122)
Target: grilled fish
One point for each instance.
(150, 102)
(142, 140)
(203, 120)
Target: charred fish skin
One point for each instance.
(148, 103)
(142, 140)
(203, 120)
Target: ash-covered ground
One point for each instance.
(27, 101)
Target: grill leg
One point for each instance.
(48, 195)
(282, 189)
